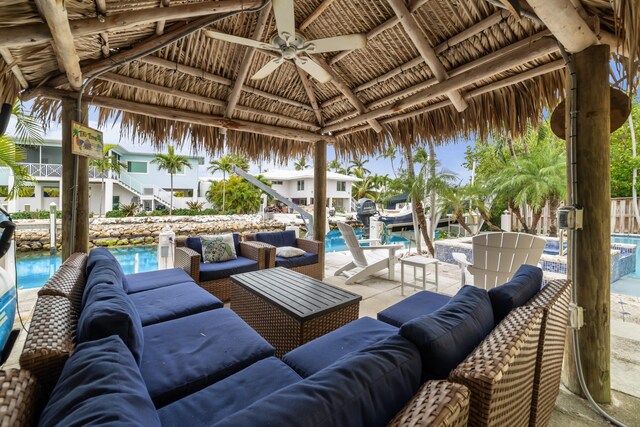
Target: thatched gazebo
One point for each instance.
(430, 70)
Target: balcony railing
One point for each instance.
(39, 170)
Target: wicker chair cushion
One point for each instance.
(19, 392)
(316, 355)
(517, 292)
(106, 272)
(220, 270)
(50, 339)
(100, 385)
(185, 355)
(140, 282)
(173, 302)
(229, 395)
(306, 259)
(68, 282)
(196, 244)
(446, 336)
(366, 388)
(109, 311)
(278, 238)
(418, 304)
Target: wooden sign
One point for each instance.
(85, 141)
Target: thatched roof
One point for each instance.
(507, 69)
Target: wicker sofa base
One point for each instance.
(220, 288)
(281, 330)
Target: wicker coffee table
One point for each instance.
(288, 308)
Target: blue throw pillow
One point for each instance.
(517, 292)
(278, 238)
(448, 335)
(100, 385)
(109, 311)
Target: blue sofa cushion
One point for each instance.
(173, 302)
(306, 259)
(229, 395)
(140, 282)
(515, 293)
(365, 388)
(185, 355)
(448, 335)
(196, 244)
(220, 270)
(100, 385)
(109, 311)
(102, 269)
(418, 304)
(98, 256)
(316, 355)
(278, 238)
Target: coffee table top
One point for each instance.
(300, 296)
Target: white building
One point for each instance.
(298, 186)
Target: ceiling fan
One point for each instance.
(292, 46)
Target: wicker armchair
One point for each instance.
(189, 260)
(500, 371)
(19, 398)
(436, 404)
(315, 270)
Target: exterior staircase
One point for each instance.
(143, 191)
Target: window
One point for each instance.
(342, 186)
(301, 185)
(137, 167)
(276, 182)
(51, 191)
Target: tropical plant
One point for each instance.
(365, 188)
(173, 163)
(391, 153)
(195, 205)
(455, 200)
(334, 165)
(358, 168)
(108, 163)
(622, 160)
(415, 186)
(301, 164)
(242, 195)
(129, 209)
(225, 165)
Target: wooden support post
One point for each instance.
(593, 259)
(320, 191)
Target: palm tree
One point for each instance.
(172, 163)
(415, 184)
(334, 165)
(364, 189)
(301, 164)
(225, 165)
(109, 163)
(357, 167)
(454, 199)
(390, 153)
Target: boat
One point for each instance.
(398, 221)
(8, 300)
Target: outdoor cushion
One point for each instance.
(185, 355)
(196, 244)
(139, 282)
(173, 302)
(515, 293)
(100, 385)
(109, 311)
(307, 259)
(220, 270)
(289, 252)
(102, 270)
(418, 304)
(448, 335)
(229, 395)
(278, 238)
(365, 388)
(218, 248)
(98, 256)
(316, 355)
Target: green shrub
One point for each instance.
(115, 214)
(158, 212)
(39, 214)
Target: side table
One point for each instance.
(418, 262)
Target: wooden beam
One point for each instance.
(101, 9)
(21, 35)
(390, 23)
(13, 65)
(565, 22)
(178, 115)
(312, 96)
(188, 96)
(55, 15)
(197, 72)
(243, 71)
(320, 193)
(342, 86)
(315, 14)
(160, 24)
(534, 50)
(429, 55)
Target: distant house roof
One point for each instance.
(288, 175)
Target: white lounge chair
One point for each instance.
(367, 260)
(497, 256)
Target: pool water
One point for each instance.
(34, 269)
(335, 243)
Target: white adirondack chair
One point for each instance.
(497, 256)
(367, 260)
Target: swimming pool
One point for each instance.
(34, 269)
(335, 243)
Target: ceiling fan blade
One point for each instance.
(285, 19)
(313, 69)
(331, 44)
(238, 40)
(268, 69)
